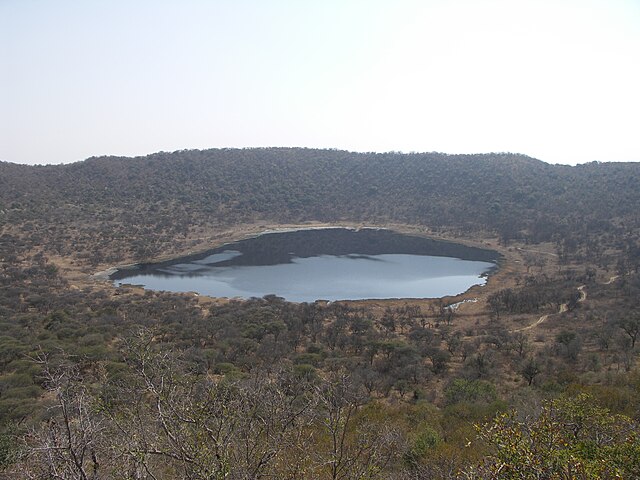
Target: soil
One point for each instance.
(511, 269)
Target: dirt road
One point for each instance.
(563, 308)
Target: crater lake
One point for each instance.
(322, 264)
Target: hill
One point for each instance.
(157, 199)
(534, 375)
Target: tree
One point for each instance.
(631, 326)
(521, 343)
(569, 344)
(210, 429)
(439, 359)
(470, 391)
(495, 302)
(73, 443)
(454, 342)
(355, 448)
(530, 370)
(571, 438)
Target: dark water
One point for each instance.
(327, 264)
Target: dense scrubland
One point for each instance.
(536, 379)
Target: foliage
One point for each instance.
(101, 382)
(470, 391)
(140, 207)
(572, 437)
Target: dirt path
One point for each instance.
(563, 308)
(535, 324)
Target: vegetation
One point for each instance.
(537, 377)
(570, 438)
(112, 208)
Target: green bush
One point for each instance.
(470, 391)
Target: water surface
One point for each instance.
(327, 264)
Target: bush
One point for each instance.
(470, 391)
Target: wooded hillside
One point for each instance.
(159, 198)
(534, 375)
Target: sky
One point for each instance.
(557, 80)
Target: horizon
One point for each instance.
(555, 81)
(392, 152)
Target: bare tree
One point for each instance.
(70, 444)
(354, 450)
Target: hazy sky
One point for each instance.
(557, 80)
